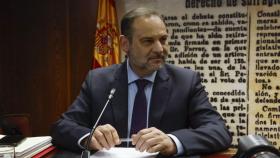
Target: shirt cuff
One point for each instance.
(80, 140)
(179, 145)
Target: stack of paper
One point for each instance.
(32, 145)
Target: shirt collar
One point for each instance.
(132, 76)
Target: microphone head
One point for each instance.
(112, 92)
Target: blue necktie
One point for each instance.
(139, 114)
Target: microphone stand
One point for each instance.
(86, 152)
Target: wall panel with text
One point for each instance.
(235, 45)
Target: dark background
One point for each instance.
(45, 52)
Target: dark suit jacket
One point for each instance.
(179, 106)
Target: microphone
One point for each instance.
(86, 152)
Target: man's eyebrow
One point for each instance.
(146, 37)
(158, 36)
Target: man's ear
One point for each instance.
(124, 43)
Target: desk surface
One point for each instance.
(57, 153)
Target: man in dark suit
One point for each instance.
(179, 117)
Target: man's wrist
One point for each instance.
(178, 144)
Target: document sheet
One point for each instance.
(119, 152)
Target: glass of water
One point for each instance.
(7, 151)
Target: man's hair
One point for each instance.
(129, 17)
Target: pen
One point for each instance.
(126, 139)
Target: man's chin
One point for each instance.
(156, 66)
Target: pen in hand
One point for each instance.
(125, 139)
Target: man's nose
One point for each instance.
(158, 47)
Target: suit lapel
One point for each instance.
(119, 102)
(160, 96)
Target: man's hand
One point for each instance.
(104, 136)
(154, 140)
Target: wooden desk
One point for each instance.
(226, 154)
(57, 153)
